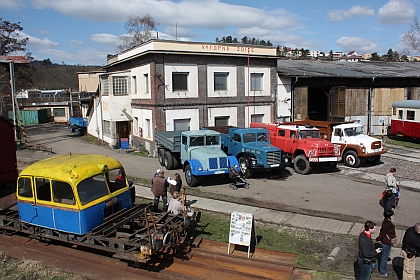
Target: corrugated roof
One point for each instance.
(306, 68)
(15, 59)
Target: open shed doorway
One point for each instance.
(319, 103)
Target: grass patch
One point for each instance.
(91, 140)
(401, 141)
(138, 153)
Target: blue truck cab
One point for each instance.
(252, 148)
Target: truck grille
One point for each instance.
(273, 158)
(214, 163)
(325, 151)
(376, 145)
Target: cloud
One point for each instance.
(106, 39)
(396, 12)
(355, 11)
(359, 44)
(36, 43)
(12, 4)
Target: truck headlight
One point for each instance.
(257, 152)
(200, 168)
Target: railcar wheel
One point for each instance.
(302, 165)
(351, 159)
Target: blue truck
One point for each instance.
(252, 148)
(198, 152)
(78, 125)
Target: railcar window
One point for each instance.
(25, 187)
(63, 193)
(43, 189)
(116, 180)
(410, 115)
(400, 114)
(92, 188)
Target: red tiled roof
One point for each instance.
(15, 59)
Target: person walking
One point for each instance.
(175, 204)
(367, 252)
(411, 251)
(159, 189)
(391, 189)
(385, 237)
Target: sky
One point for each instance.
(83, 32)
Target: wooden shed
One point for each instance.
(8, 163)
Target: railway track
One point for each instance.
(207, 261)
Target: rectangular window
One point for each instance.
(179, 81)
(134, 83)
(256, 81)
(220, 81)
(338, 103)
(146, 83)
(410, 115)
(43, 189)
(105, 85)
(182, 124)
(257, 118)
(25, 187)
(59, 112)
(400, 114)
(120, 85)
(107, 128)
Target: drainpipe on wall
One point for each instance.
(100, 105)
(369, 106)
(292, 101)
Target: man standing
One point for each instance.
(367, 252)
(391, 189)
(411, 250)
(159, 189)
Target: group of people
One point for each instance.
(160, 189)
(387, 238)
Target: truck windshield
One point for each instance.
(196, 141)
(353, 131)
(309, 134)
(254, 137)
(212, 140)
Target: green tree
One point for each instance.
(330, 55)
(375, 57)
(139, 30)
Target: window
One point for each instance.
(120, 85)
(63, 193)
(134, 82)
(92, 188)
(256, 81)
(116, 180)
(400, 114)
(182, 124)
(25, 187)
(179, 81)
(257, 118)
(292, 134)
(236, 137)
(281, 133)
(221, 81)
(59, 112)
(43, 190)
(221, 121)
(107, 128)
(146, 83)
(410, 115)
(337, 132)
(105, 85)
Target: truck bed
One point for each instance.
(171, 140)
(80, 122)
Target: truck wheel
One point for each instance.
(176, 162)
(373, 159)
(189, 177)
(71, 127)
(302, 165)
(351, 159)
(168, 160)
(161, 156)
(328, 166)
(244, 168)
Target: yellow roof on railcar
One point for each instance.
(71, 168)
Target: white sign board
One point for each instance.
(240, 232)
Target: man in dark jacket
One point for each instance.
(367, 251)
(159, 189)
(411, 250)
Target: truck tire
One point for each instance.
(302, 165)
(176, 162)
(71, 127)
(168, 160)
(373, 159)
(351, 159)
(328, 166)
(161, 156)
(189, 177)
(244, 167)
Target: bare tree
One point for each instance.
(9, 38)
(139, 30)
(412, 37)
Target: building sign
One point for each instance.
(240, 232)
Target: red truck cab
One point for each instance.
(304, 146)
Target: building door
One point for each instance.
(182, 124)
(300, 103)
(123, 129)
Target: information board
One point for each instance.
(240, 232)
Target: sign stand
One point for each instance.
(240, 233)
